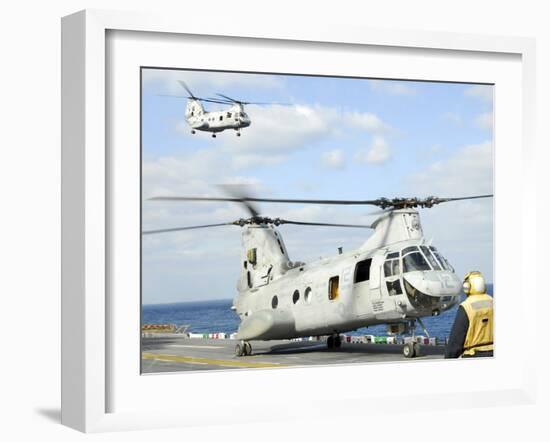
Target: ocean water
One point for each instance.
(217, 316)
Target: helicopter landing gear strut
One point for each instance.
(238, 133)
(243, 348)
(334, 341)
(412, 349)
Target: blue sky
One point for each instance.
(336, 138)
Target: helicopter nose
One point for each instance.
(435, 282)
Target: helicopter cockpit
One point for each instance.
(424, 275)
(243, 118)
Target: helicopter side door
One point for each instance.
(391, 287)
(376, 270)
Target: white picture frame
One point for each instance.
(87, 206)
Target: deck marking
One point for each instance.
(222, 362)
(195, 346)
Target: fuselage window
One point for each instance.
(394, 287)
(333, 288)
(362, 270)
(307, 295)
(228, 114)
(296, 296)
(221, 117)
(280, 246)
(249, 279)
(274, 302)
(391, 268)
(251, 256)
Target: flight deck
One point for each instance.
(178, 353)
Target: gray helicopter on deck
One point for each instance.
(395, 277)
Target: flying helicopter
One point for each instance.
(200, 119)
(396, 277)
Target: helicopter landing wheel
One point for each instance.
(409, 350)
(238, 134)
(239, 350)
(243, 349)
(330, 342)
(337, 341)
(213, 135)
(193, 131)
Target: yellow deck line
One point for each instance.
(222, 362)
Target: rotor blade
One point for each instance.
(444, 200)
(303, 223)
(184, 85)
(240, 192)
(209, 100)
(175, 229)
(395, 203)
(171, 96)
(229, 98)
(264, 200)
(261, 103)
(245, 201)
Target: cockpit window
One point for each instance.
(433, 262)
(409, 250)
(444, 263)
(415, 262)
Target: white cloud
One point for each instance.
(392, 87)
(463, 227)
(468, 172)
(333, 159)
(244, 161)
(276, 131)
(378, 153)
(483, 92)
(365, 120)
(485, 121)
